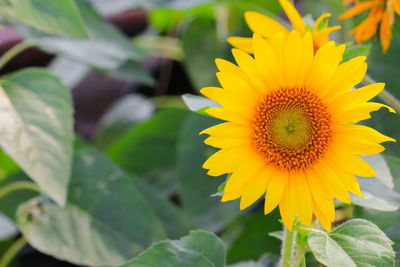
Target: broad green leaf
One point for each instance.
(58, 17)
(106, 48)
(357, 243)
(106, 221)
(200, 248)
(196, 103)
(150, 146)
(176, 223)
(36, 116)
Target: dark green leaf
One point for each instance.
(36, 115)
(198, 249)
(196, 187)
(150, 146)
(58, 17)
(357, 243)
(252, 238)
(106, 221)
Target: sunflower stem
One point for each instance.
(14, 51)
(16, 186)
(287, 247)
(385, 95)
(12, 251)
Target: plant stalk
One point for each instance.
(16, 186)
(287, 247)
(12, 251)
(14, 51)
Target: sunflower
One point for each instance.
(268, 27)
(289, 132)
(381, 15)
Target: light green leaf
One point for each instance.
(36, 116)
(58, 17)
(7, 228)
(105, 223)
(357, 243)
(378, 191)
(196, 103)
(200, 248)
(106, 48)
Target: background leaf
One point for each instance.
(198, 249)
(36, 115)
(355, 243)
(106, 221)
(59, 17)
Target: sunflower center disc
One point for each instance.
(292, 128)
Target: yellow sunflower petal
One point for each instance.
(225, 160)
(323, 219)
(276, 189)
(294, 16)
(304, 208)
(242, 43)
(287, 204)
(361, 112)
(263, 25)
(385, 32)
(227, 129)
(256, 188)
(358, 96)
(364, 133)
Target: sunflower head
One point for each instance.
(290, 129)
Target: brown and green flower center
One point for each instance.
(292, 128)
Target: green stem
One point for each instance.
(12, 187)
(385, 95)
(300, 252)
(15, 50)
(12, 251)
(287, 247)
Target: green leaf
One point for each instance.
(195, 186)
(200, 248)
(357, 243)
(105, 223)
(150, 146)
(196, 103)
(58, 17)
(7, 167)
(277, 234)
(378, 191)
(106, 48)
(267, 260)
(36, 116)
(356, 50)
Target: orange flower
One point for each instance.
(381, 14)
(268, 27)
